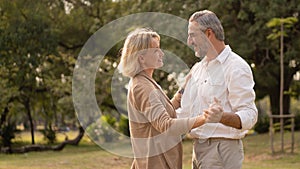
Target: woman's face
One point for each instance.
(153, 57)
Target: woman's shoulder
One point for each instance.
(141, 83)
(141, 90)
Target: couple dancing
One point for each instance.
(215, 105)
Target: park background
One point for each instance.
(40, 41)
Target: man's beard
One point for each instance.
(200, 53)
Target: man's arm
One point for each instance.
(231, 120)
(242, 100)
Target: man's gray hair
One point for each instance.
(207, 19)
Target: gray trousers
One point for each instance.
(218, 153)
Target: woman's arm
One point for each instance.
(177, 97)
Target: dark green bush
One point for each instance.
(7, 133)
(124, 125)
(263, 124)
(49, 135)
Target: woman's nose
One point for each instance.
(162, 53)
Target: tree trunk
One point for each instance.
(3, 116)
(281, 86)
(58, 147)
(28, 111)
(5, 112)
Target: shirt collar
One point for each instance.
(222, 56)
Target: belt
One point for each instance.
(213, 139)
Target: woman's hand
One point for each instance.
(187, 78)
(214, 113)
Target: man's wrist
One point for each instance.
(222, 119)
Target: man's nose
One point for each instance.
(189, 41)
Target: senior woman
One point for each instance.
(155, 130)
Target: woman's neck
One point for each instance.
(149, 72)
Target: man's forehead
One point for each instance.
(194, 26)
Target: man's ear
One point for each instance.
(209, 32)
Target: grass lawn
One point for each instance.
(89, 156)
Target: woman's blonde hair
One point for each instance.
(137, 40)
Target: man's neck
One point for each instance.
(218, 47)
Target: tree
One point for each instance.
(283, 23)
(25, 38)
(35, 68)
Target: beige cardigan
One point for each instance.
(155, 131)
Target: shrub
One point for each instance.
(123, 126)
(49, 135)
(263, 124)
(297, 121)
(102, 129)
(7, 134)
(107, 128)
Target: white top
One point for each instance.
(228, 78)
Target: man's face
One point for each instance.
(197, 39)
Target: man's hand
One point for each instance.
(214, 113)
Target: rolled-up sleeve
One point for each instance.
(242, 96)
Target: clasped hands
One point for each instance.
(214, 113)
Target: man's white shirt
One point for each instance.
(228, 78)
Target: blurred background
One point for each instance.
(40, 41)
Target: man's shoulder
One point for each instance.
(235, 65)
(236, 60)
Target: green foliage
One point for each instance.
(287, 22)
(123, 125)
(107, 123)
(277, 22)
(7, 133)
(262, 125)
(49, 135)
(295, 109)
(102, 130)
(36, 72)
(110, 120)
(297, 121)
